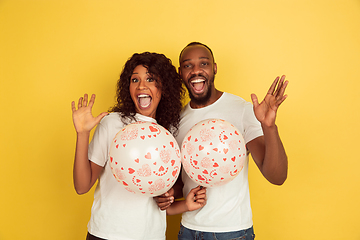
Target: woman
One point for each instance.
(149, 89)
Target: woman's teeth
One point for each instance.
(144, 100)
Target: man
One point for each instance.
(227, 214)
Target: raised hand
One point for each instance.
(82, 117)
(265, 112)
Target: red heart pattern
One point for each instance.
(201, 178)
(165, 155)
(154, 164)
(210, 152)
(144, 171)
(153, 129)
(129, 134)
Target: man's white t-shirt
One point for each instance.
(228, 206)
(117, 213)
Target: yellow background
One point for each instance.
(52, 52)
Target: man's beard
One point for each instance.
(202, 100)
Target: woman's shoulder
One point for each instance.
(110, 119)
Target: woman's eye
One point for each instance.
(134, 80)
(150, 79)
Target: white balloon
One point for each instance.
(145, 158)
(213, 152)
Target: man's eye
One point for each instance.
(205, 63)
(187, 66)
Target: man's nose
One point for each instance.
(196, 69)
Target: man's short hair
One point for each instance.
(196, 43)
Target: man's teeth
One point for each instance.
(197, 81)
(198, 84)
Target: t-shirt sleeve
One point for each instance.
(99, 146)
(252, 126)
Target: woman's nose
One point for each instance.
(142, 85)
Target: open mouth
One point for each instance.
(144, 100)
(198, 85)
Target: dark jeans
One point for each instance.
(92, 237)
(188, 234)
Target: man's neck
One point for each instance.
(214, 97)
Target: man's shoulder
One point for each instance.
(228, 95)
(233, 99)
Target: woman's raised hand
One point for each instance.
(83, 119)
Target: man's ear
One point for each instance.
(215, 68)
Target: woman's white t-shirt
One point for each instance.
(117, 213)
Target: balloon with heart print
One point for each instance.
(145, 158)
(213, 152)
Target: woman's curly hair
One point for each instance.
(167, 79)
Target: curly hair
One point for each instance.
(167, 79)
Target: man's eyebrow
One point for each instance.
(199, 58)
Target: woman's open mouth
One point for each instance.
(144, 100)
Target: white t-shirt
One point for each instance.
(228, 206)
(117, 213)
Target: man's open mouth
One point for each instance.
(198, 85)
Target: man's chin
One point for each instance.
(198, 99)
